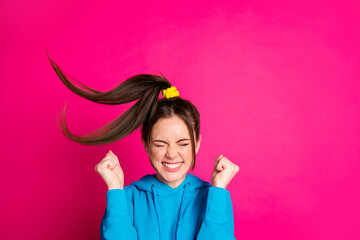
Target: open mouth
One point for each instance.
(172, 167)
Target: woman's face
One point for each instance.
(170, 150)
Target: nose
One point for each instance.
(171, 152)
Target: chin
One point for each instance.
(172, 176)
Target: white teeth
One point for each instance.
(172, 165)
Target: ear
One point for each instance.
(197, 145)
(145, 145)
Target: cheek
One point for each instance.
(187, 154)
(157, 154)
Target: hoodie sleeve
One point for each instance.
(218, 219)
(117, 222)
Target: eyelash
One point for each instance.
(180, 145)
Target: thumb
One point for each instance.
(219, 167)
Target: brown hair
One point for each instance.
(146, 111)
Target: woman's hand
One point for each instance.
(110, 170)
(223, 172)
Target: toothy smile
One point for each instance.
(172, 166)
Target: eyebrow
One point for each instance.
(183, 139)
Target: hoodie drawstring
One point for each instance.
(181, 213)
(156, 210)
(181, 208)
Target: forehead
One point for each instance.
(171, 128)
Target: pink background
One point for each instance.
(276, 83)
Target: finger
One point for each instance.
(218, 158)
(216, 163)
(107, 162)
(229, 165)
(104, 164)
(112, 159)
(220, 166)
(237, 169)
(114, 156)
(225, 158)
(111, 152)
(228, 161)
(96, 166)
(226, 164)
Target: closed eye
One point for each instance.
(164, 146)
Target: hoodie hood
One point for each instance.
(149, 181)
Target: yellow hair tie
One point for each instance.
(170, 92)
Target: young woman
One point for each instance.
(171, 204)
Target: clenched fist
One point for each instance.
(110, 170)
(223, 172)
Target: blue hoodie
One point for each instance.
(150, 209)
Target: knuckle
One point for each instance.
(102, 164)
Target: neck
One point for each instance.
(171, 184)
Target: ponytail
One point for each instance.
(144, 113)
